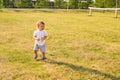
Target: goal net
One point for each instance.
(104, 9)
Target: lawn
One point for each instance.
(79, 47)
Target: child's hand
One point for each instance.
(37, 39)
(43, 38)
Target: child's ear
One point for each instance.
(38, 26)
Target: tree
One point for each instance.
(60, 4)
(73, 4)
(105, 3)
(84, 4)
(110, 3)
(42, 4)
(6, 3)
(1, 3)
(119, 3)
(14, 3)
(26, 4)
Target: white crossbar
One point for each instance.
(104, 8)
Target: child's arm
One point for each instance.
(35, 37)
(43, 38)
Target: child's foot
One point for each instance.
(43, 58)
(35, 56)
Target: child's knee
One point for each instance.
(35, 51)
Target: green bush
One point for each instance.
(25, 4)
(60, 4)
(73, 4)
(42, 4)
(1, 2)
(105, 3)
(84, 5)
(7, 3)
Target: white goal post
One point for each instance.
(104, 9)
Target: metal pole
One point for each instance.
(90, 12)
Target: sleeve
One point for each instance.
(35, 33)
(46, 33)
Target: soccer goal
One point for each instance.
(104, 9)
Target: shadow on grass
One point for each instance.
(81, 68)
(46, 11)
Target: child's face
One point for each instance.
(41, 26)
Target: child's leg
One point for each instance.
(43, 50)
(43, 54)
(35, 54)
(36, 47)
(35, 51)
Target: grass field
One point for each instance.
(79, 47)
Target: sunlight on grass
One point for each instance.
(79, 47)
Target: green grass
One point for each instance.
(79, 47)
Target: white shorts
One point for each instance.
(41, 47)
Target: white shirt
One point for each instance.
(40, 34)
